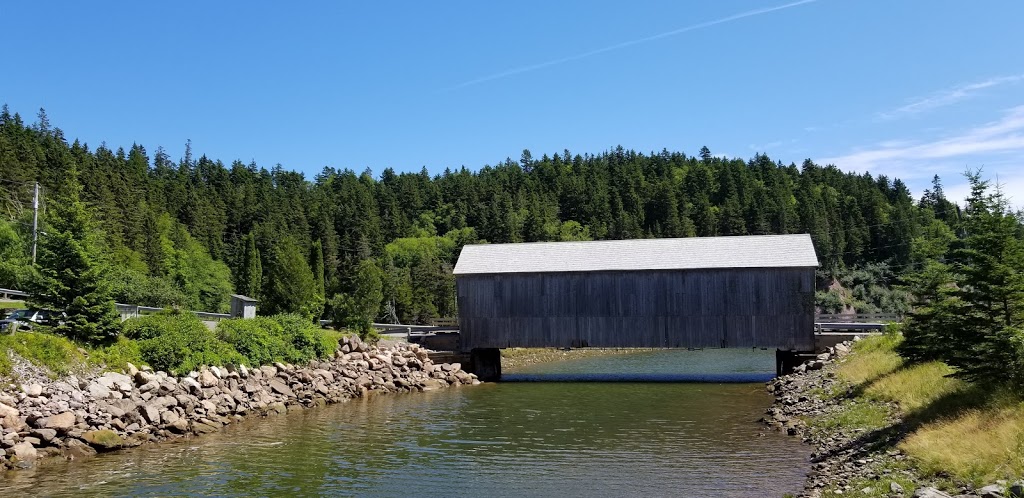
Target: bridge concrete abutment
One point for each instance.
(486, 363)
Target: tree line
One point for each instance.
(359, 246)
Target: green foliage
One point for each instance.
(133, 287)
(249, 276)
(261, 340)
(56, 353)
(118, 355)
(14, 261)
(289, 286)
(970, 311)
(308, 340)
(178, 342)
(70, 276)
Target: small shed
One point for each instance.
(242, 306)
(740, 291)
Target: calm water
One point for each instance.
(590, 427)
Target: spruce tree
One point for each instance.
(250, 271)
(70, 272)
(316, 306)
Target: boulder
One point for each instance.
(32, 390)
(1016, 490)
(191, 385)
(150, 413)
(203, 428)
(895, 488)
(169, 417)
(62, 422)
(78, 449)
(132, 369)
(98, 390)
(992, 491)
(278, 386)
(103, 440)
(25, 452)
(929, 492)
(180, 425)
(46, 435)
(207, 379)
(8, 411)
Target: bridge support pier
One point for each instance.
(787, 360)
(486, 363)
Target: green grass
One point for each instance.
(56, 353)
(957, 431)
(854, 415)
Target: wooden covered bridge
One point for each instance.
(743, 292)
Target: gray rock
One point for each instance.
(46, 435)
(98, 390)
(62, 422)
(78, 449)
(25, 452)
(32, 390)
(929, 492)
(992, 491)
(1016, 490)
(278, 386)
(169, 417)
(895, 487)
(8, 411)
(150, 413)
(191, 385)
(207, 379)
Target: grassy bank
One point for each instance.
(952, 431)
(176, 343)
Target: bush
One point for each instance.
(179, 342)
(118, 355)
(261, 340)
(309, 340)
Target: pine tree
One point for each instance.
(70, 272)
(250, 271)
(289, 286)
(319, 297)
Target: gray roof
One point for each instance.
(749, 251)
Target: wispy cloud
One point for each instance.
(617, 46)
(948, 97)
(915, 158)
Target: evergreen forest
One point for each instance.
(359, 246)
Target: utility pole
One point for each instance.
(35, 222)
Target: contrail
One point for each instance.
(617, 46)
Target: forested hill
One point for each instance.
(189, 232)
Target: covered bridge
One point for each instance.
(742, 291)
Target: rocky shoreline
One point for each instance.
(79, 416)
(844, 456)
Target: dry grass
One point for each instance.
(874, 358)
(979, 446)
(959, 430)
(915, 387)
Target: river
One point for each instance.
(658, 423)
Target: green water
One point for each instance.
(629, 425)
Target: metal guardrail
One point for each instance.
(8, 293)
(858, 318)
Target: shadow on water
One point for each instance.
(679, 378)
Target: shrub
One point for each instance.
(179, 342)
(308, 340)
(261, 340)
(118, 354)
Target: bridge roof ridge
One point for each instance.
(691, 253)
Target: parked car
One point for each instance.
(26, 319)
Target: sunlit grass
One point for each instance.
(875, 357)
(979, 446)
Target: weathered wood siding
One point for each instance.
(761, 307)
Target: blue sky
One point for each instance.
(907, 89)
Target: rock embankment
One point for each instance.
(846, 457)
(75, 416)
